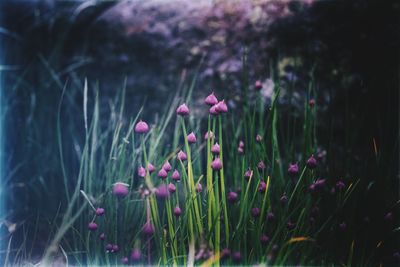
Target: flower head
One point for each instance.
(211, 99)
(148, 228)
(151, 167)
(270, 216)
(115, 248)
(176, 176)
(141, 127)
(264, 239)
(261, 165)
(258, 85)
(258, 138)
(232, 197)
(182, 110)
(255, 212)
(221, 107)
(171, 188)
(102, 236)
(262, 187)
(312, 162)
(167, 166)
(340, 185)
(213, 110)
(141, 172)
(208, 134)
(92, 226)
(293, 169)
(109, 247)
(120, 189)
(215, 149)
(199, 188)
(99, 211)
(177, 211)
(191, 138)
(248, 174)
(216, 164)
(237, 257)
(181, 156)
(125, 260)
(162, 174)
(162, 191)
(311, 103)
(136, 254)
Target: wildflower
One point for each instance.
(258, 138)
(142, 172)
(181, 156)
(151, 167)
(148, 228)
(261, 165)
(241, 144)
(162, 174)
(162, 191)
(141, 127)
(167, 166)
(237, 257)
(109, 247)
(216, 164)
(270, 216)
(120, 189)
(255, 212)
(182, 110)
(208, 134)
(99, 211)
(176, 176)
(221, 107)
(92, 226)
(293, 169)
(215, 149)
(258, 85)
(125, 260)
(211, 100)
(225, 253)
(284, 199)
(262, 187)
(320, 183)
(102, 236)
(312, 162)
(248, 174)
(135, 254)
(115, 248)
(213, 110)
(340, 185)
(177, 211)
(264, 239)
(311, 103)
(199, 188)
(240, 150)
(232, 197)
(171, 188)
(191, 138)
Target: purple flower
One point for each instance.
(262, 187)
(176, 176)
(216, 164)
(162, 191)
(181, 156)
(258, 138)
(191, 138)
(255, 212)
(141, 172)
(148, 228)
(320, 183)
(215, 149)
(213, 110)
(151, 167)
(237, 257)
(167, 166)
(182, 110)
(99, 211)
(258, 85)
(248, 174)
(211, 100)
(311, 103)
(115, 248)
(171, 188)
(141, 127)
(261, 165)
(284, 199)
(208, 134)
(125, 260)
(102, 236)
(199, 188)
(311, 162)
(177, 211)
(120, 189)
(241, 144)
(225, 253)
(232, 197)
(264, 239)
(340, 185)
(293, 169)
(109, 247)
(92, 226)
(221, 107)
(136, 254)
(240, 150)
(270, 216)
(162, 174)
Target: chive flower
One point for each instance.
(136, 254)
(211, 100)
(216, 165)
(141, 172)
(248, 174)
(176, 176)
(141, 127)
(92, 226)
(261, 165)
(208, 134)
(264, 239)
(167, 166)
(151, 167)
(311, 103)
(120, 189)
(102, 236)
(232, 197)
(311, 162)
(340, 185)
(270, 216)
(255, 212)
(237, 257)
(191, 138)
(221, 107)
(99, 211)
(109, 247)
(148, 228)
(262, 186)
(115, 248)
(258, 85)
(182, 110)
(293, 169)
(177, 211)
(199, 188)
(215, 149)
(171, 188)
(240, 150)
(162, 174)
(213, 110)
(258, 138)
(162, 191)
(225, 253)
(125, 260)
(181, 156)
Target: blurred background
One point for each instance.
(350, 49)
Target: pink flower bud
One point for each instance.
(120, 189)
(258, 138)
(99, 211)
(208, 135)
(312, 162)
(248, 174)
(181, 156)
(171, 188)
(141, 127)
(191, 138)
(141, 172)
(211, 99)
(136, 255)
(216, 164)
(125, 260)
(176, 176)
(92, 226)
(162, 191)
(221, 107)
(293, 169)
(177, 211)
(261, 165)
(102, 236)
(148, 228)
(199, 188)
(215, 149)
(151, 167)
(213, 110)
(258, 85)
(167, 166)
(162, 174)
(232, 197)
(182, 110)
